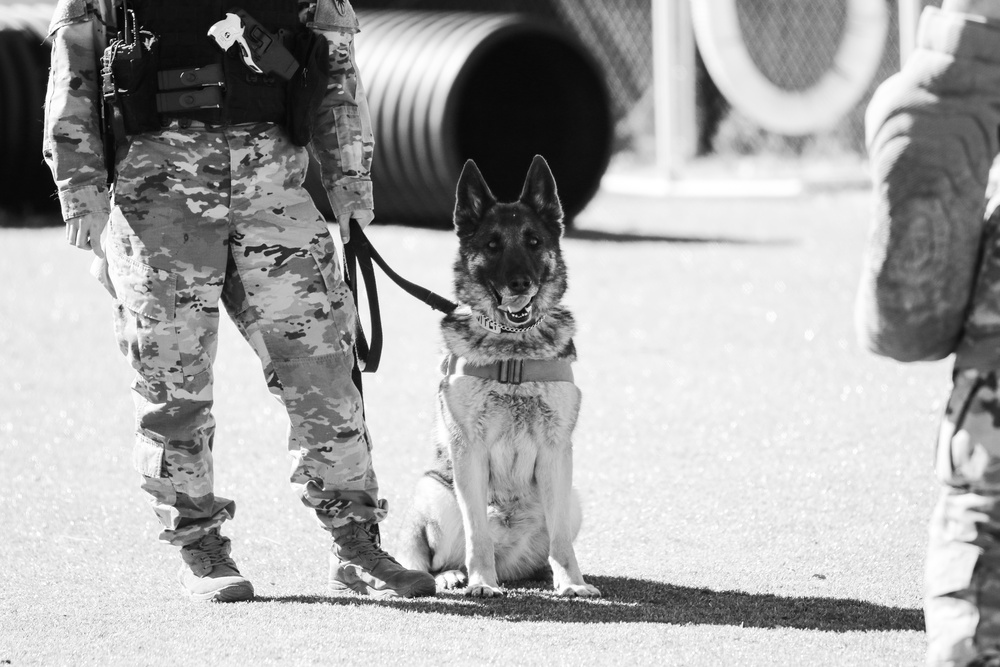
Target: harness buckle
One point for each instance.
(510, 371)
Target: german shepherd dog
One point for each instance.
(498, 503)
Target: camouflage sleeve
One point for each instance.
(932, 137)
(72, 144)
(343, 140)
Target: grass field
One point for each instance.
(755, 486)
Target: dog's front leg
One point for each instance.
(472, 474)
(554, 474)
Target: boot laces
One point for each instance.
(368, 544)
(212, 551)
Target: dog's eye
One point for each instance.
(532, 241)
(494, 244)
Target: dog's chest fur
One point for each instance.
(505, 423)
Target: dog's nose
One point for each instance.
(519, 285)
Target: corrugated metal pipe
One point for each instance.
(497, 88)
(25, 183)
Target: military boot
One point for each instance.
(357, 563)
(209, 574)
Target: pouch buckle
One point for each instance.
(208, 97)
(191, 77)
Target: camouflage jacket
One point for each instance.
(72, 142)
(931, 281)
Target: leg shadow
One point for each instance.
(627, 600)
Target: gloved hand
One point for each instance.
(932, 133)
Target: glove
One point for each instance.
(932, 137)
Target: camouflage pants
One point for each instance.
(962, 606)
(203, 216)
(962, 602)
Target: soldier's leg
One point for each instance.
(962, 606)
(287, 295)
(285, 291)
(167, 261)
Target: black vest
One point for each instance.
(182, 28)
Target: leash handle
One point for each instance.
(359, 253)
(366, 356)
(364, 248)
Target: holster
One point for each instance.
(267, 51)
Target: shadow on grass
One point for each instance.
(639, 601)
(615, 237)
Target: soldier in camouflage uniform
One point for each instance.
(201, 212)
(931, 287)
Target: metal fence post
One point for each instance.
(909, 19)
(675, 122)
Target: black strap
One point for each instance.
(363, 247)
(359, 254)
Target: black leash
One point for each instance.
(358, 256)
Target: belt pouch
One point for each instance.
(133, 70)
(308, 86)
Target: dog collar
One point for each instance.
(493, 326)
(512, 371)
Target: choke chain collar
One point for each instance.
(493, 326)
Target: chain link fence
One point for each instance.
(792, 42)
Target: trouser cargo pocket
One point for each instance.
(147, 457)
(145, 324)
(342, 309)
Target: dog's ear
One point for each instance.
(539, 192)
(472, 198)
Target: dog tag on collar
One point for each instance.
(487, 323)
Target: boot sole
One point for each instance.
(235, 593)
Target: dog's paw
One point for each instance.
(481, 590)
(578, 591)
(450, 580)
